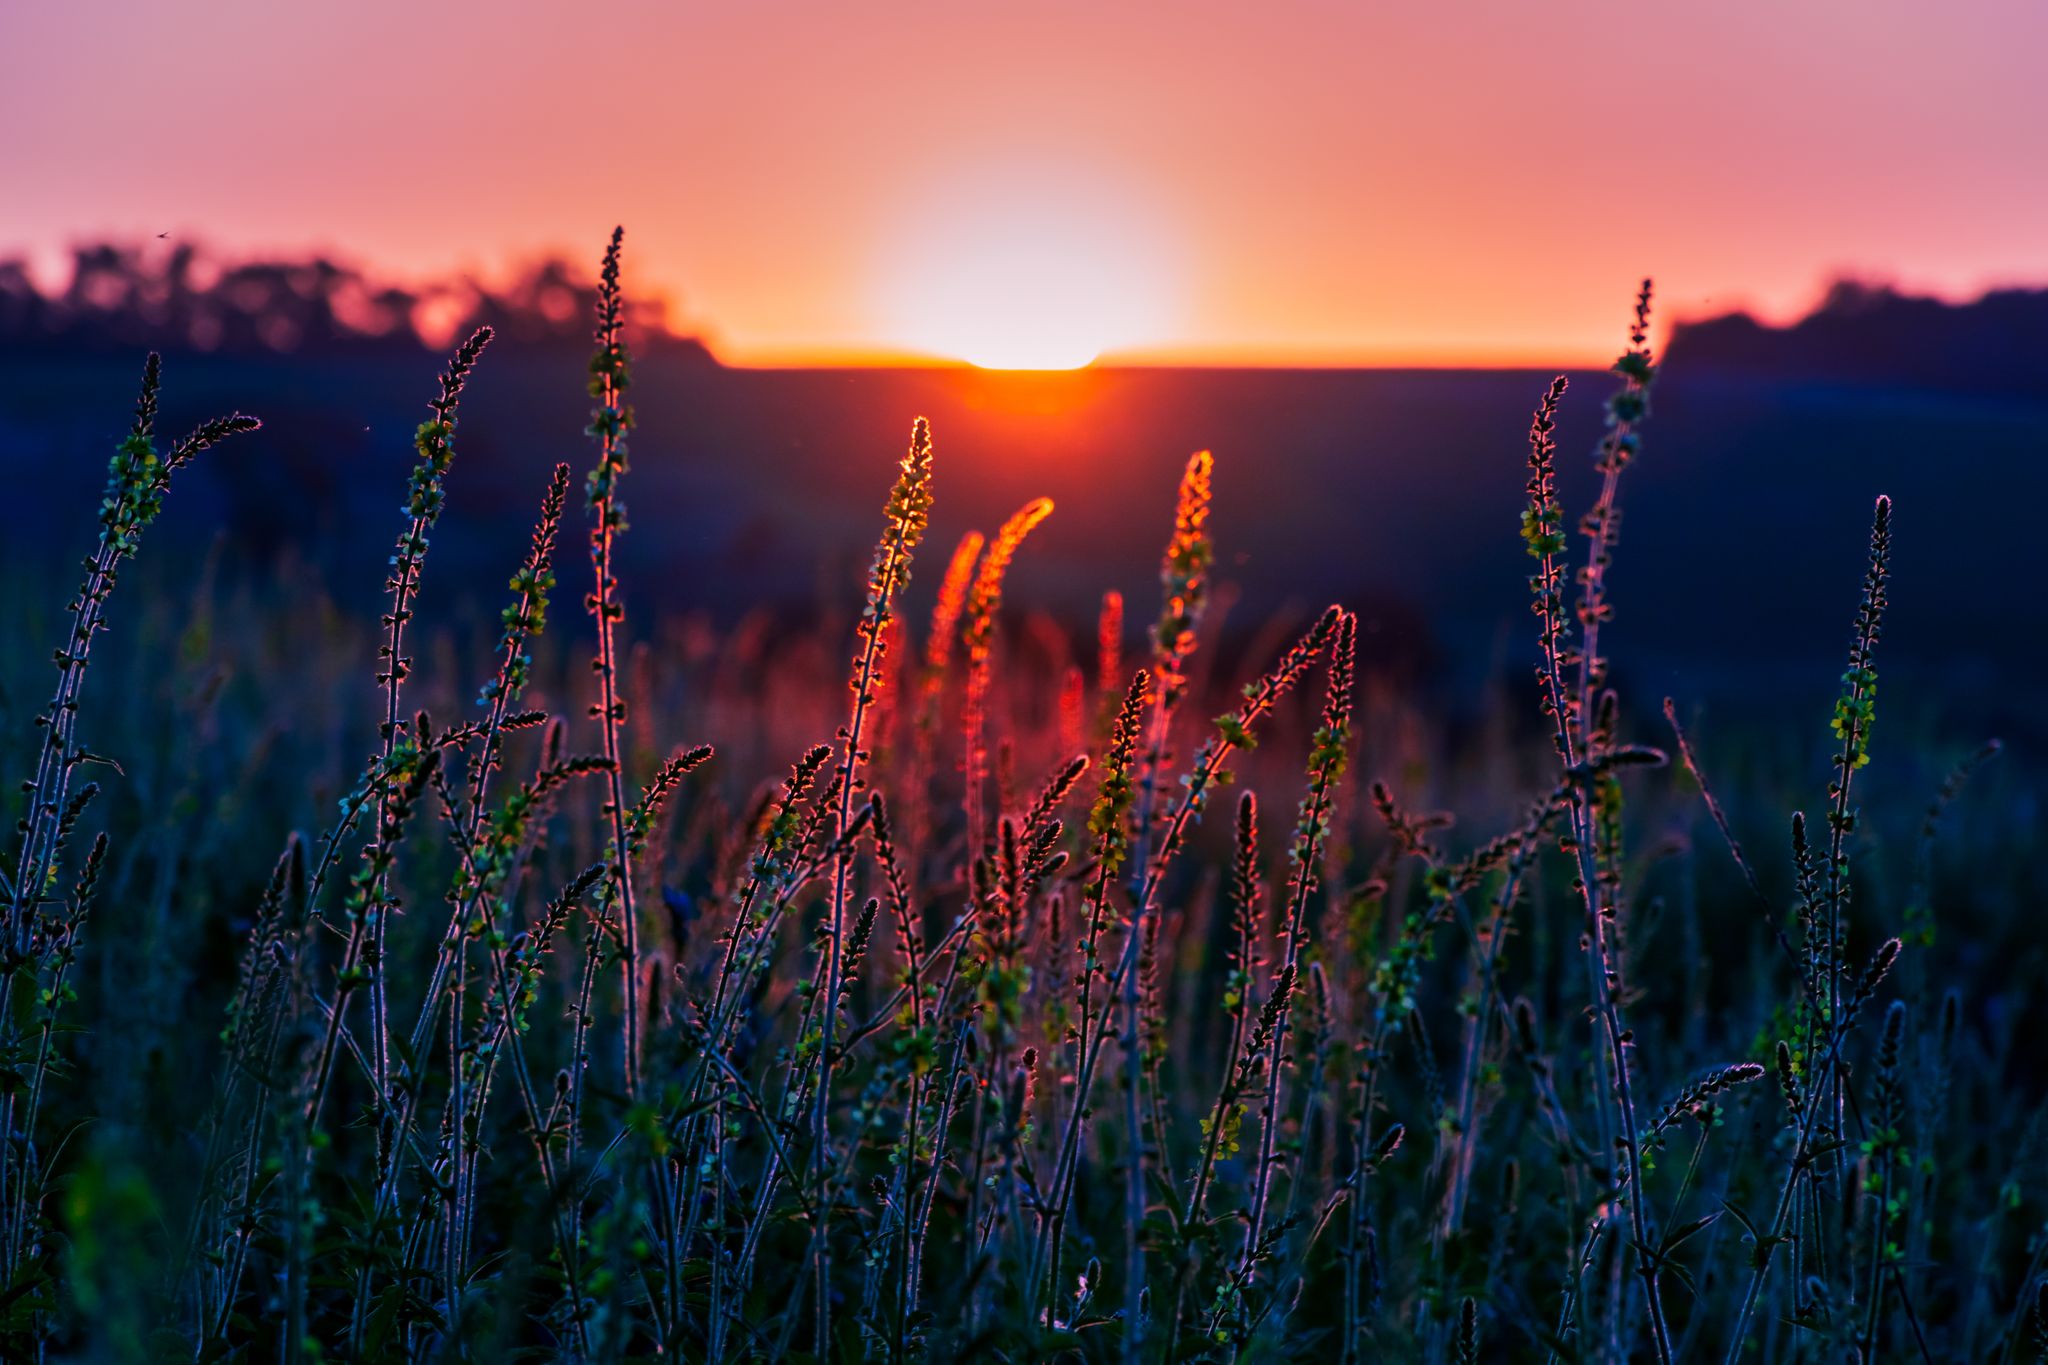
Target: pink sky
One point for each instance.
(1283, 181)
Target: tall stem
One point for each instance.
(908, 509)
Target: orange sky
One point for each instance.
(1265, 182)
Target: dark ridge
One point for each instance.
(1868, 335)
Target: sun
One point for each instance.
(1027, 282)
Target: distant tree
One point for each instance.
(123, 296)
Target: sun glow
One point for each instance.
(1016, 281)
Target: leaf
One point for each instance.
(1677, 1235)
(1828, 1148)
(1743, 1219)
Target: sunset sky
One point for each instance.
(1288, 181)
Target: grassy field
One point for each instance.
(963, 985)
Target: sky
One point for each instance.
(1289, 181)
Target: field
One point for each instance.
(611, 971)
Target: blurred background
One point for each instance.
(1342, 246)
(1398, 490)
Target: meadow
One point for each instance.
(961, 983)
